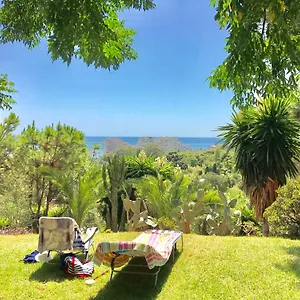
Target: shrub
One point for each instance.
(57, 211)
(284, 213)
(94, 218)
(4, 223)
(167, 224)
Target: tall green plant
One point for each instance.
(267, 145)
(81, 192)
(59, 147)
(113, 174)
(160, 193)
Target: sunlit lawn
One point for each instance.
(208, 268)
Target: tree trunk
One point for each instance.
(48, 199)
(266, 230)
(186, 227)
(108, 218)
(114, 210)
(122, 221)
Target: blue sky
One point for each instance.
(163, 93)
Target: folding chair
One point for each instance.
(63, 234)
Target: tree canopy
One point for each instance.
(263, 48)
(6, 89)
(88, 30)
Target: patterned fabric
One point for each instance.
(74, 267)
(58, 234)
(155, 245)
(78, 242)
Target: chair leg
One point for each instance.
(111, 275)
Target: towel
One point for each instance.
(57, 234)
(155, 245)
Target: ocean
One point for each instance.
(195, 143)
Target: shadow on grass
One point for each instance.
(136, 286)
(293, 265)
(49, 272)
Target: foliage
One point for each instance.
(165, 223)
(266, 141)
(220, 182)
(296, 110)
(113, 174)
(81, 192)
(57, 211)
(94, 218)
(14, 204)
(7, 145)
(263, 49)
(284, 213)
(126, 151)
(88, 30)
(4, 222)
(60, 148)
(139, 166)
(152, 149)
(160, 193)
(176, 159)
(6, 89)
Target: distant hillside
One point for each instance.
(114, 144)
(167, 144)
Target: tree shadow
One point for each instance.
(136, 286)
(293, 265)
(50, 272)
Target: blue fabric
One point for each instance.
(30, 258)
(78, 243)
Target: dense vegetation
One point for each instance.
(217, 191)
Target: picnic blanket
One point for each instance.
(155, 245)
(58, 234)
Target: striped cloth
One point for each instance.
(74, 267)
(155, 245)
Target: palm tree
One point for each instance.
(267, 145)
(81, 192)
(160, 193)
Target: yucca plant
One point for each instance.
(266, 141)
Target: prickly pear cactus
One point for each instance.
(139, 218)
(189, 211)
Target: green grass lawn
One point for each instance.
(208, 268)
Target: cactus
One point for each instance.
(113, 174)
(189, 211)
(224, 226)
(139, 218)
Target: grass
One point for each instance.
(208, 268)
